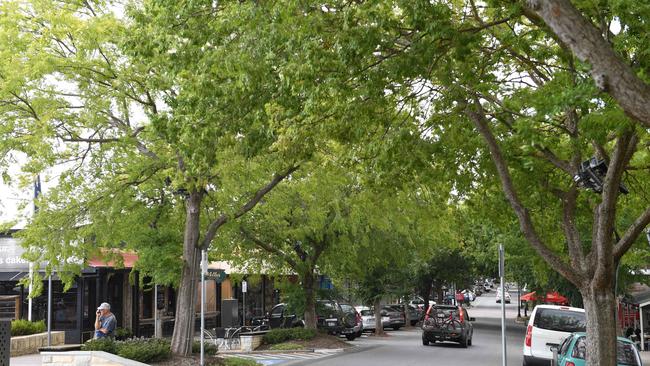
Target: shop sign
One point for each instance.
(10, 255)
(216, 274)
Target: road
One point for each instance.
(404, 347)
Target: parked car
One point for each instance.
(486, 287)
(468, 295)
(280, 316)
(447, 323)
(358, 327)
(396, 317)
(414, 314)
(506, 296)
(368, 319)
(331, 318)
(547, 327)
(572, 351)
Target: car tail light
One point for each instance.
(462, 316)
(529, 336)
(359, 320)
(426, 316)
(569, 363)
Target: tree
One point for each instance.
(303, 229)
(134, 137)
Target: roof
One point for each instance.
(560, 307)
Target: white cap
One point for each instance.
(104, 305)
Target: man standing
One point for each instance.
(105, 321)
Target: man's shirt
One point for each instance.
(109, 322)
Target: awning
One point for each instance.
(128, 259)
(552, 297)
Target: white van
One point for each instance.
(547, 327)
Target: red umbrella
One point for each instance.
(556, 298)
(531, 296)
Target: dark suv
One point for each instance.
(331, 318)
(281, 317)
(447, 323)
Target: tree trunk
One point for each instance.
(379, 327)
(310, 300)
(600, 308)
(183, 335)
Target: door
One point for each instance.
(276, 319)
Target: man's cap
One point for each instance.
(104, 305)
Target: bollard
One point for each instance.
(5, 341)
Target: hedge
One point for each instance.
(138, 349)
(282, 335)
(23, 327)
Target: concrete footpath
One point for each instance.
(27, 360)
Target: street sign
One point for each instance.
(216, 274)
(501, 262)
(244, 286)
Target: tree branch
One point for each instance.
(477, 116)
(630, 235)
(268, 247)
(221, 220)
(609, 72)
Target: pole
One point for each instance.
(244, 289)
(37, 192)
(29, 298)
(49, 311)
(204, 270)
(155, 311)
(518, 301)
(503, 303)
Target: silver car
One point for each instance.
(368, 319)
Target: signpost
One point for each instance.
(503, 302)
(244, 288)
(204, 272)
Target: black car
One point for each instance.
(331, 318)
(447, 323)
(281, 316)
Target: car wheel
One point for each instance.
(469, 342)
(413, 322)
(396, 328)
(425, 342)
(351, 337)
(463, 342)
(359, 333)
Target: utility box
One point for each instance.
(229, 313)
(5, 341)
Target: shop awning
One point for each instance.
(128, 260)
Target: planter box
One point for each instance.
(25, 345)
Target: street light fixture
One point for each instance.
(591, 174)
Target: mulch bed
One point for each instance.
(319, 342)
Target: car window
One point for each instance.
(347, 308)
(560, 320)
(580, 348)
(626, 354)
(444, 312)
(367, 312)
(277, 311)
(564, 346)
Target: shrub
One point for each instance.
(144, 350)
(122, 334)
(25, 327)
(101, 344)
(235, 361)
(209, 348)
(286, 346)
(139, 349)
(282, 335)
(303, 334)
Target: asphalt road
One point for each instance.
(404, 347)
